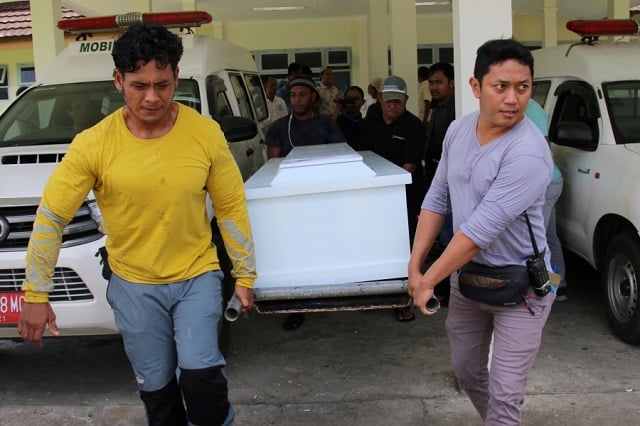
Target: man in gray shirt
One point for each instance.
(494, 166)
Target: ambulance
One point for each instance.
(591, 92)
(217, 79)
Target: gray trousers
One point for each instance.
(497, 393)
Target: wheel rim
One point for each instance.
(622, 288)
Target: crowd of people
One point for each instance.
(478, 183)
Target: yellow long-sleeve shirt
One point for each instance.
(152, 195)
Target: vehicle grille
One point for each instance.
(82, 229)
(32, 158)
(68, 286)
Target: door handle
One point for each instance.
(583, 170)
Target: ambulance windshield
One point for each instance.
(54, 114)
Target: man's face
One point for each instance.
(148, 92)
(504, 94)
(327, 77)
(392, 109)
(440, 86)
(353, 107)
(301, 100)
(271, 87)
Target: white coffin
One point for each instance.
(327, 215)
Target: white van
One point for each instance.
(591, 91)
(217, 79)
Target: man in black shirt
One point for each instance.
(443, 112)
(399, 136)
(303, 126)
(348, 115)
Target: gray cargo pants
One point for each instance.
(497, 394)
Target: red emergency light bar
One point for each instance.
(116, 22)
(594, 28)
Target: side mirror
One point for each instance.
(575, 134)
(237, 129)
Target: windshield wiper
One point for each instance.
(32, 142)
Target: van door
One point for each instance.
(249, 95)
(247, 153)
(577, 106)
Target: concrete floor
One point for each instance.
(361, 368)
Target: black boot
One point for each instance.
(164, 407)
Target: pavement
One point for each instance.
(358, 368)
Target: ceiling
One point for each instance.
(241, 10)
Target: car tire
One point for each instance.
(620, 284)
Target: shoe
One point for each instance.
(293, 321)
(404, 314)
(561, 294)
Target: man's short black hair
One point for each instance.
(446, 69)
(357, 89)
(423, 72)
(140, 44)
(498, 51)
(294, 68)
(306, 71)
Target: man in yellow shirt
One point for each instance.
(151, 165)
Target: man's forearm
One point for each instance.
(42, 255)
(458, 253)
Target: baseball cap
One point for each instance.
(394, 87)
(302, 81)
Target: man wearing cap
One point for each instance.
(399, 136)
(302, 126)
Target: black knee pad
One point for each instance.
(164, 407)
(206, 395)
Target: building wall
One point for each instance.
(300, 34)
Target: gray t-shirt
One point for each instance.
(491, 186)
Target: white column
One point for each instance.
(475, 22)
(404, 45)
(550, 23)
(189, 5)
(618, 9)
(48, 40)
(378, 38)
(143, 6)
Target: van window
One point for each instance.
(257, 95)
(4, 83)
(188, 94)
(623, 102)
(217, 98)
(54, 114)
(242, 96)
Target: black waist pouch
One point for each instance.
(500, 286)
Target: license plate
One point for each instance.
(10, 307)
